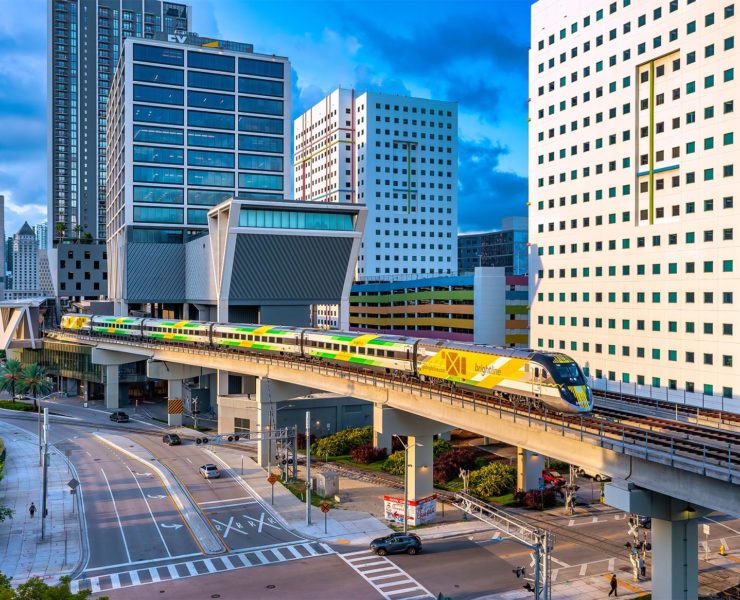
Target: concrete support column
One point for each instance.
(675, 567)
(225, 420)
(529, 467)
(174, 392)
(421, 467)
(111, 387)
(382, 435)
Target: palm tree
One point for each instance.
(35, 382)
(60, 228)
(10, 375)
(78, 230)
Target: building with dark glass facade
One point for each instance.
(192, 122)
(86, 38)
(505, 248)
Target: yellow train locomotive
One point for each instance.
(551, 379)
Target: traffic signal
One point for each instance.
(528, 586)
(519, 572)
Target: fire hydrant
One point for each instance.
(722, 550)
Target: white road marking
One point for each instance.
(374, 576)
(724, 543)
(209, 565)
(118, 518)
(571, 522)
(610, 568)
(138, 562)
(584, 567)
(154, 575)
(262, 521)
(115, 581)
(560, 562)
(261, 556)
(173, 572)
(229, 505)
(143, 495)
(226, 500)
(134, 577)
(723, 525)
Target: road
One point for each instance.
(137, 535)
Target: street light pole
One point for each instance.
(38, 406)
(308, 467)
(406, 480)
(44, 487)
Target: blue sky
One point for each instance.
(470, 51)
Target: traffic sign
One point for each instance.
(73, 483)
(272, 479)
(325, 506)
(705, 528)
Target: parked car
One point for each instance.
(119, 417)
(210, 471)
(552, 477)
(645, 522)
(584, 472)
(171, 439)
(396, 542)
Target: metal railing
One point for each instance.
(709, 459)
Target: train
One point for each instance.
(549, 379)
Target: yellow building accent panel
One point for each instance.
(453, 309)
(517, 324)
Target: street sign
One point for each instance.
(73, 491)
(325, 507)
(73, 483)
(705, 528)
(272, 479)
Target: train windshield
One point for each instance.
(568, 373)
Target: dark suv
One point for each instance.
(171, 439)
(396, 542)
(119, 417)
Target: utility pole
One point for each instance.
(308, 467)
(195, 412)
(45, 472)
(38, 405)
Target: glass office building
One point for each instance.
(85, 41)
(192, 123)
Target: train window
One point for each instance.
(536, 372)
(544, 374)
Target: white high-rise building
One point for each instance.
(397, 155)
(25, 264)
(632, 191)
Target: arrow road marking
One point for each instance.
(175, 526)
(157, 497)
(147, 474)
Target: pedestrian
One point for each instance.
(613, 585)
(32, 509)
(641, 563)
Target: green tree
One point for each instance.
(495, 479)
(34, 382)
(78, 229)
(10, 374)
(5, 513)
(60, 229)
(36, 589)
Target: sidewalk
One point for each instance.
(588, 588)
(22, 554)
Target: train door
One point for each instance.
(537, 382)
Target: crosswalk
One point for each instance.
(391, 582)
(204, 566)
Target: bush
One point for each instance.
(394, 463)
(368, 454)
(441, 447)
(495, 479)
(535, 499)
(343, 442)
(448, 466)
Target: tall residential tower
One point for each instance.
(397, 155)
(632, 191)
(85, 40)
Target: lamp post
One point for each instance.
(406, 480)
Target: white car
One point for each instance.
(585, 472)
(210, 471)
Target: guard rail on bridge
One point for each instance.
(710, 459)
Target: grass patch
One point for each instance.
(298, 489)
(12, 405)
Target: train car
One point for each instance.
(552, 379)
(123, 326)
(197, 332)
(268, 338)
(76, 322)
(388, 352)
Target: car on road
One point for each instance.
(552, 477)
(396, 542)
(210, 471)
(645, 522)
(584, 472)
(171, 439)
(119, 417)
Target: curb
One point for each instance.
(217, 546)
